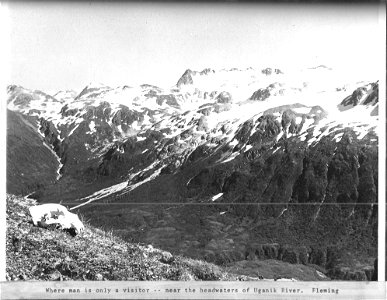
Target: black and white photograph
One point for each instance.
(187, 142)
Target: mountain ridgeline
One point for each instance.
(231, 166)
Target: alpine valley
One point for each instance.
(264, 172)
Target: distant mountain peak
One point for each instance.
(186, 78)
(92, 86)
(12, 87)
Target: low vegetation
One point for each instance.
(35, 253)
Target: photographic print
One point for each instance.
(192, 142)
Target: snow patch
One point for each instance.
(307, 123)
(135, 125)
(72, 130)
(303, 136)
(279, 136)
(234, 142)
(248, 147)
(361, 131)
(216, 196)
(230, 158)
(338, 137)
(92, 127)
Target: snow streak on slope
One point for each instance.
(58, 159)
(120, 188)
(102, 193)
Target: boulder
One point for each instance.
(166, 257)
(55, 214)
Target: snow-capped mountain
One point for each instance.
(218, 136)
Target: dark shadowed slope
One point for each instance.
(30, 162)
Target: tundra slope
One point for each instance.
(35, 253)
(248, 146)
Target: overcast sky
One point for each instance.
(66, 45)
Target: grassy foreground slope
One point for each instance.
(35, 253)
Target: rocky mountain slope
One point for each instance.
(227, 165)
